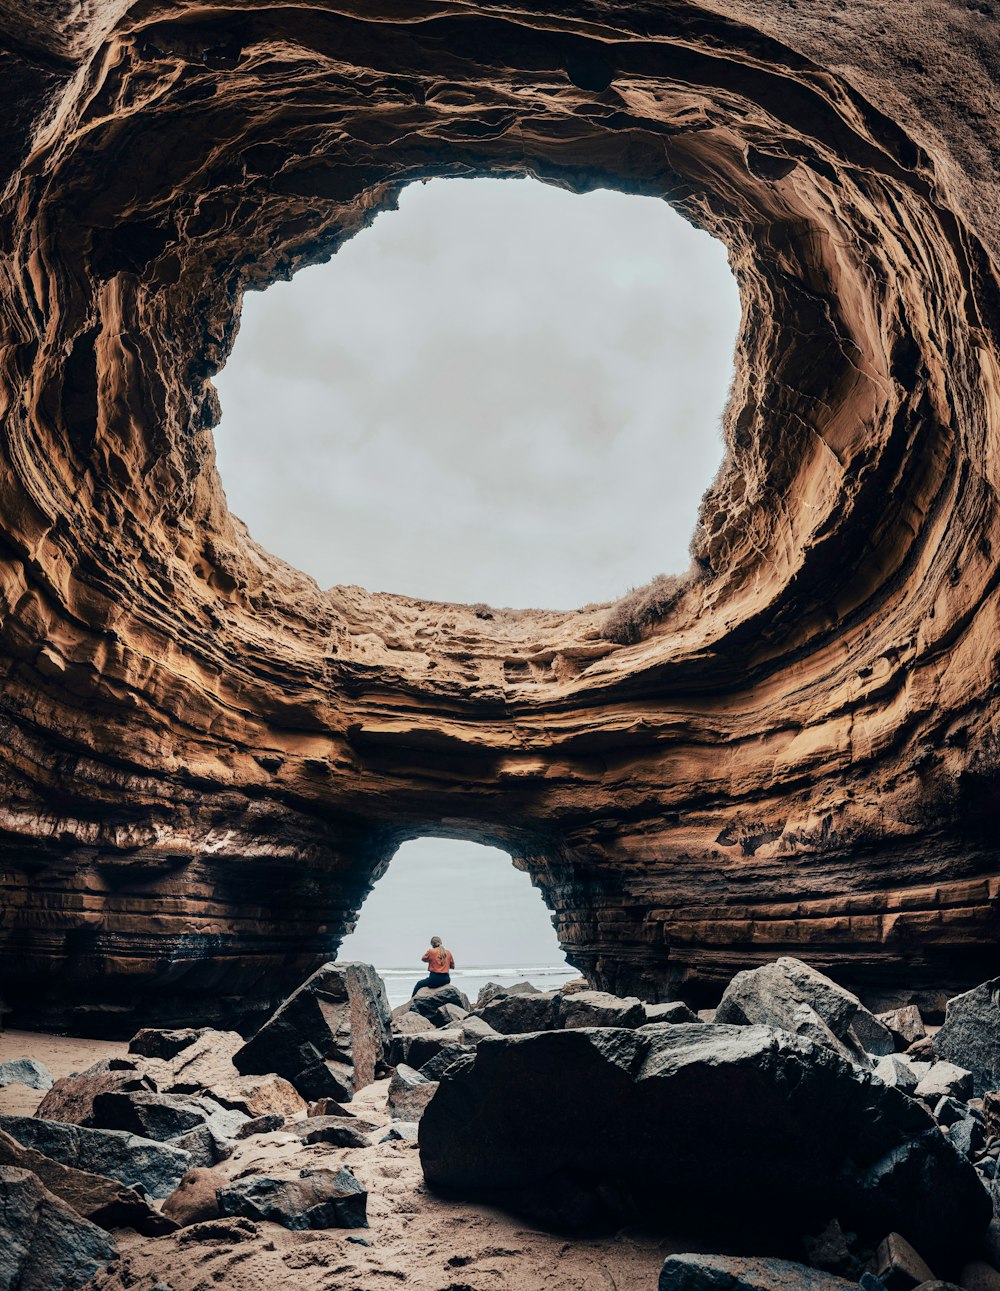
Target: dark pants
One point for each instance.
(432, 981)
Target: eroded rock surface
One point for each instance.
(207, 760)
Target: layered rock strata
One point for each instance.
(206, 759)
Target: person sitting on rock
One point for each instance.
(439, 961)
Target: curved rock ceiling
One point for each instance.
(206, 759)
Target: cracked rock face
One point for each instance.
(206, 759)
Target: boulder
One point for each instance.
(328, 1107)
(338, 1131)
(746, 1129)
(475, 1029)
(735, 1273)
(991, 1112)
(970, 1035)
(977, 1275)
(672, 1011)
(432, 1004)
(310, 1198)
(434, 1067)
(597, 1009)
(71, 1099)
(493, 991)
(401, 1132)
(573, 985)
(894, 1070)
(898, 1265)
(453, 1014)
(260, 1125)
(415, 1050)
(104, 1202)
(519, 1014)
(409, 1093)
(405, 1021)
(44, 1243)
(944, 1080)
(165, 1116)
(967, 1137)
(194, 1200)
(947, 1111)
(115, 1154)
(203, 1063)
(791, 995)
(26, 1071)
(259, 1096)
(153, 1043)
(904, 1024)
(328, 1038)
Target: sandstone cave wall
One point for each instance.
(206, 759)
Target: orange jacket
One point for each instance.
(438, 960)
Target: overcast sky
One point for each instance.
(501, 392)
(487, 912)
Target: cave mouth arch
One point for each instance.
(486, 910)
(499, 393)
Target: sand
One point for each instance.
(414, 1238)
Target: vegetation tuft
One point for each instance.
(642, 608)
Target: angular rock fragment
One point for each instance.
(737, 1273)
(328, 1107)
(415, 1050)
(260, 1125)
(44, 1243)
(153, 1043)
(405, 1021)
(103, 1201)
(71, 1099)
(409, 1093)
(904, 1024)
(791, 995)
(26, 1071)
(206, 1061)
(894, 1070)
(898, 1265)
(401, 1132)
(338, 1131)
(165, 1116)
(475, 1029)
(445, 1058)
(944, 1080)
(308, 1198)
(259, 1096)
(517, 1014)
(433, 1004)
(746, 1128)
(970, 1035)
(597, 1009)
(133, 1161)
(492, 991)
(991, 1112)
(672, 1011)
(977, 1275)
(328, 1038)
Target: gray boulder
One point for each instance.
(475, 1029)
(166, 1116)
(415, 1050)
(735, 1273)
(970, 1035)
(445, 1058)
(753, 1131)
(672, 1011)
(329, 1038)
(320, 1197)
(401, 1132)
(434, 1004)
(409, 1094)
(894, 1070)
(26, 1071)
(944, 1080)
(518, 1014)
(44, 1243)
(791, 995)
(494, 991)
(115, 1154)
(598, 1009)
(337, 1131)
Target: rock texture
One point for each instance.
(207, 760)
(748, 1133)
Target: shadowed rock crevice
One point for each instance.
(207, 759)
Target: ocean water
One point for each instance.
(399, 982)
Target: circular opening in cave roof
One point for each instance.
(502, 392)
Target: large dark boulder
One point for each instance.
(598, 1009)
(970, 1036)
(166, 1116)
(735, 1273)
(319, 1197)
(328, 1038)
(795, 997)
(71, 1099)
(44, 1243)
(747, 1130)
(519, 1014)
(115, 1154)
(434, 1004)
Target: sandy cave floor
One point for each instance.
(414, 1238)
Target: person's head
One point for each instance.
(436, 941)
